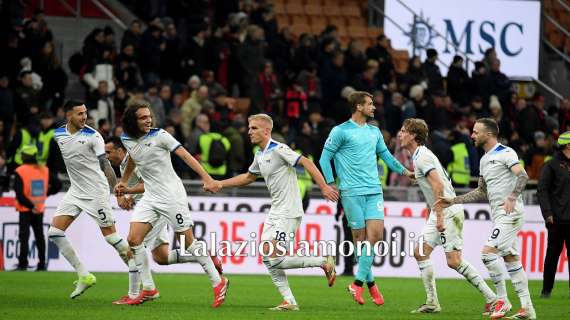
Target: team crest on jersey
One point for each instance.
(82, 141)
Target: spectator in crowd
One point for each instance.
(27, 100)
(152, 46)
(156, 105)
(564, 115)
(355, 60)
(499, 83)
(554, 200)
(128, 72)
(102, 105)
(458, 81)
(191, 108)
(133, 36)
(432, 72)
(53, 76)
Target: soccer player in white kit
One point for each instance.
(164, 197)
(90, 173)
(444, 227)
(502, 181)
(157, 238)
(276, 162)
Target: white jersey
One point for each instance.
(151, 154)
(495, 168)
(80, 153)
(133, 180)
(276, 164)
(425, 161)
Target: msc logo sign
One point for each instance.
(483, 35)
(470, 38)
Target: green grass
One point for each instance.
(33, 295)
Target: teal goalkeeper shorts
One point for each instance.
(358, 209)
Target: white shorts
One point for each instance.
(451, 239)
(280, 229)
(177, 214)
(98, 208)
(158, 235)
(504, 235)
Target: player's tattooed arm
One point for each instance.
(522, 179)
(479, 194)
(108, 170)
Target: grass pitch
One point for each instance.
(44, 295)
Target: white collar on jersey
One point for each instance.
(415, 155)
(125, 159)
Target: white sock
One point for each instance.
(120, 245)
(141, 260)
(279, 279)
(496, 272)
(58, 237)
(520, 282)
(205, 261)
(295, 262)
(134, 279)
(428, 278)
(175, 257)
(471, 274)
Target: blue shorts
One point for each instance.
(358, 209)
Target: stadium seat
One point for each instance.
(330, 2)
(342, 32)
(282, 20)
(356, 21)
(300, 20)
(299, 29)
(295, 9)
(279, 8)
(375, 32)
(356, 32)
(350, 11)
(331, 11)
(297, 2)
(314, 9)
(318, 20)
(337, 21)
(317, 28)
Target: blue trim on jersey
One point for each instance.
(272, 145)
(88, 131)
(500, 148)
(176, 147)
(297, 161)
(125, 137)
(60, 130)
(153, 132)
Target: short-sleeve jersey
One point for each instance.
(133, 180)
(354, 148)
(276, 164)
(495, 168)
(80, 152)
(424, 162)
(151, 154)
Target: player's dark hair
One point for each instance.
(356, 98)
(490, 125)
(418, 127)
(130, 126)
(116, 141)
(70, 104)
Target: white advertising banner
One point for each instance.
(240, 220)
(511, 27)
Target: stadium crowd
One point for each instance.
(200, 65)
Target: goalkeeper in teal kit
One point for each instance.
(354, 146)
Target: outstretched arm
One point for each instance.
(193, 163)
(238, 181)
(479, 194)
